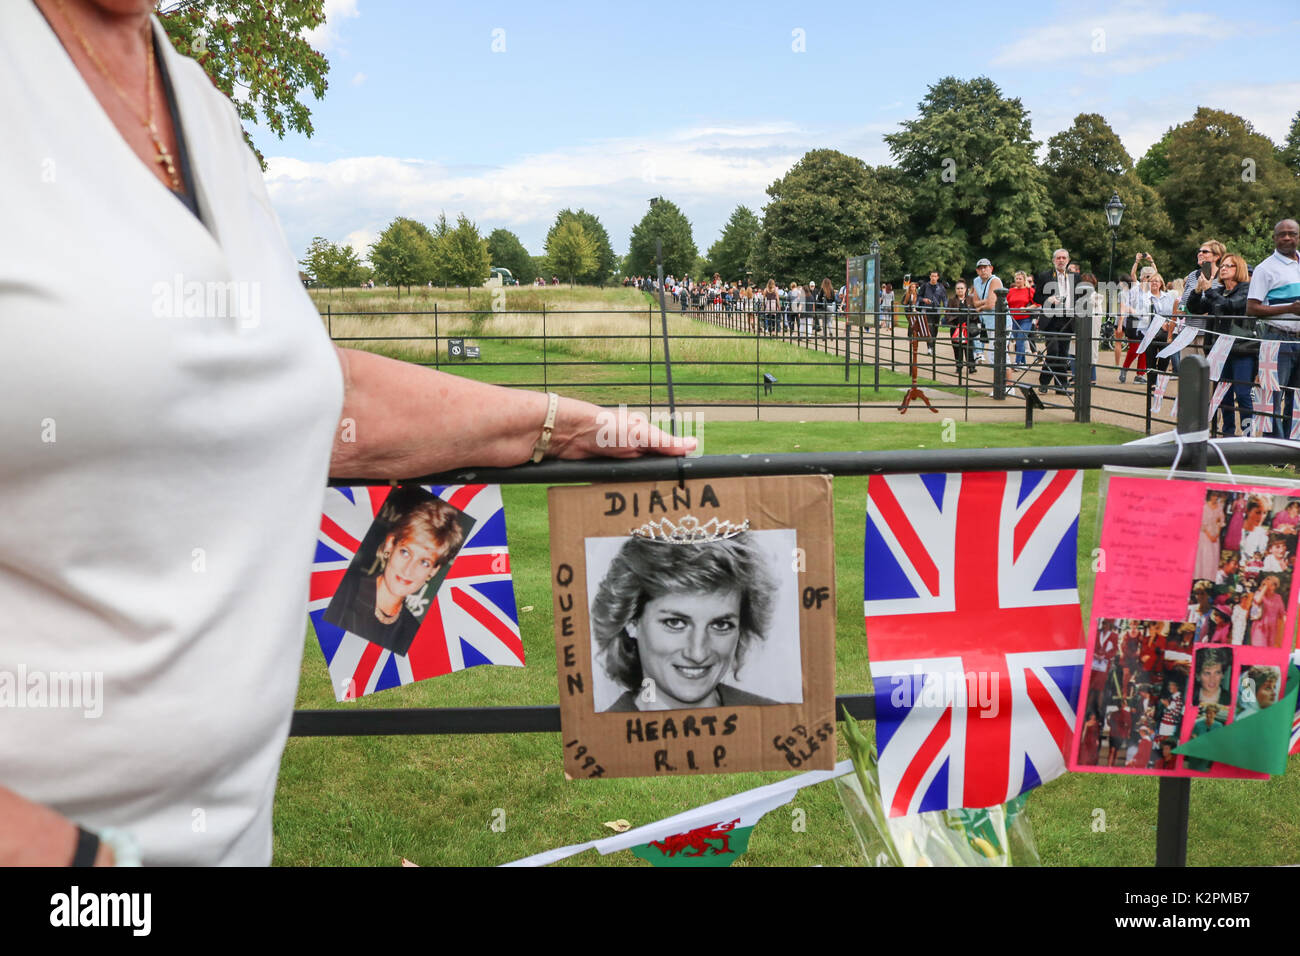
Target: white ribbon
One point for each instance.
(1220, 389)
(1180, 342)
(1158, 393)
(1218, 355)
(1153, 329)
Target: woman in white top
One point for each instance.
(172, 407)
(1148, 301)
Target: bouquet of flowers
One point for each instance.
(995, 836)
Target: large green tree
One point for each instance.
(1085, 164)
(570, 251)
(464, 254)
(729, 256)
(829, 206)
(663, 221)
(1153, 167)
(1291, 148)
(1226, 181)
(332, 266)
(509, 253)
(403, 255)
(968, 162)
(606, 263)
(255, 52)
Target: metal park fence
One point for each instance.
(1189, 454)
(731, 356)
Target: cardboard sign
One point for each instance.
(695, 626)
(1192, 616)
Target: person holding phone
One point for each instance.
(1208, 256)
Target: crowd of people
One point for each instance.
(1222, 302)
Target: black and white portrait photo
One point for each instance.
(711, 623)
(399, 567)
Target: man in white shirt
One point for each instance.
(1274, 298)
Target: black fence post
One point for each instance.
(436, 347)
(1000, 345)
(1173, 809)
(875, 357)
(1083, 332)
(1149, 381)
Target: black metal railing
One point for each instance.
(1191, 455)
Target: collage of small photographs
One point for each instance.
(1224, 654)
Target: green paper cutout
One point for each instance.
(1258, 743)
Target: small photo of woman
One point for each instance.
(708, 624)
(399, 567)
(1268, 612)
(1213, 520)
(1257, 689)
(1212, 665)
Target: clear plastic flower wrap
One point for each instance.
(996, 836)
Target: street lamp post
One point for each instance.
(1114, 213)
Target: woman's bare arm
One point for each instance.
(33, 835)
(402, 420)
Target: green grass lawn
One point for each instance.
(606, 346)
(373, 800)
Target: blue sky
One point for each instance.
(509, 112)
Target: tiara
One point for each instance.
(689, 531)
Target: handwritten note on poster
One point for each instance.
(1147, 548)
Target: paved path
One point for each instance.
(1112, 403)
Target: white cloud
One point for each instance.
(706, 171)
(1132, 36)
(326, 36)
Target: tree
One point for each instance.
(465, 255)
(439, 265)
(570, 250)
(1291, 148)
(968, 163)
(664, 221)
(403, 254)
(730, 254)
(255, 52)
(606, 261)
(829, 206)
(1085, 165)
(1227, 182)
(1153, 167)
(332, 266)
(509, 253)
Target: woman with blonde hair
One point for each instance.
(1221, 297)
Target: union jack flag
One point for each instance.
(1219, 355)
(471, 621)
(1268, 352)
(1262, 400)
(974, 633)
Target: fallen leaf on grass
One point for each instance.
(618, 826)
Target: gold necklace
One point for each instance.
(147, 121)
(387, 618)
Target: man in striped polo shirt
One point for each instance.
(1274, 298)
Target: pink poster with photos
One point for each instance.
(1193, 619)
